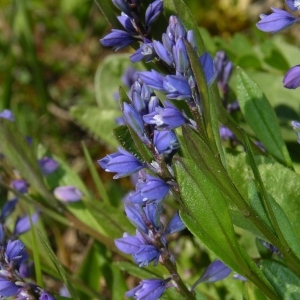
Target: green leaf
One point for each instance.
(284, 281)
(90, 271)
(261, 117)
(286, 227)
(206, 213)
(131, 142)
(110, 12)
(280, 182)
(257, 204)
(58, 266)
(98, 122)
(179, 8)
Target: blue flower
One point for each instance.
(296, 128)
(163, 53)
(153, 11)
(48, 165)
(117, 39)
(148, 289)
(7, 114)
(208, 67)
(122, 162)
(226, 133)
(293, 4)
(216, 271)
(134, 120)
(174, 225)
(276, 21)
(23, 223)
(68, 193)
(291, 79)
(15, 253)
(150, 189)
(7, 209)
(180, 56)
(152, 79)
(168, 117)
(20, 185)
(8, 288)
(140, 247)
(123, 6)
(177, 87)
(146, 51)
(165, 141)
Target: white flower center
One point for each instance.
(297, 4)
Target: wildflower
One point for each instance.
(67, 193)
(224, 69)
(122, 162)
(23, 223)
(293, 4)
(140, 247)
(7, 209)
(117, 39)
(165, 141)
(177, 87)
(150, 189)
(8, 288)
(146, 51)
(216, 271)
(291, 79)
(48, 165)
(278, 20)
(153, 11)
(226, 133)
(296, 128)
(168, 117)
(7, 114)
(150, 289)
(152, 79)
(174, 225)
(20, 185)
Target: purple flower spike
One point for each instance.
(67, 193)
(291, 79)
(8, 288)
(177, 87)
(296, 128)
(165, 141)
(216, 271)
(23, 224)
(276, 21)
(122, 162)
(293, 4)
(7, 114)
(153, 11)
(48, 165)
(20, 185)
(117, 39)
(148, 289)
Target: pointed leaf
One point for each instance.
(261, 117)
(284, 281)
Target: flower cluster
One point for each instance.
(137, 29)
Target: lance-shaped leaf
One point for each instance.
(206, 215)
(284, 281)
(210, 125)
(109, 11)
(21, 155)
(261, 117)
